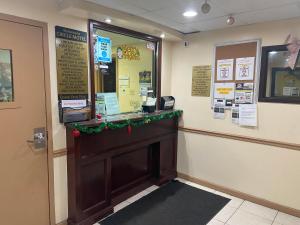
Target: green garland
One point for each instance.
(134, 123)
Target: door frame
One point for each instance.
(44, 27)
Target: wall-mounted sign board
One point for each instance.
(72, 63)
(236, 65)
(201, 81)
(235, 78)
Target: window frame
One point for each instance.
(264, 76)
(123, 31)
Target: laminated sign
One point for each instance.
(103, 49)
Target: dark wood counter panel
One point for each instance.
(106, 168)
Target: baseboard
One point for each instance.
(238, 194)
(63, 223)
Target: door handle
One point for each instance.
(39, 138)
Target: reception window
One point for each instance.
(125, 68)
(279, 82)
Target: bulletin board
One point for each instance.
(235, 72)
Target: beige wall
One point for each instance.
(267, 172)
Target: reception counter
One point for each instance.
(112, 159)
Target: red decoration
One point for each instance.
(75, 133)
(129, 129)
(99, 116)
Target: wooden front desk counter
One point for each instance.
(106, 168)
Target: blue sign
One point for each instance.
(103, 50)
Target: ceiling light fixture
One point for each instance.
(230, 20)
(162, 35)
(205, 8)
(107, 20)
(190, 13)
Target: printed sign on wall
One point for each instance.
(225, 69)
(72, 63)
(201, 80)
(245, 68)
(224, 90)
(103, 49)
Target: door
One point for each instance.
(24, 191)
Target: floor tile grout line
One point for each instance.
(275, 218)
(235, 211)
(254, 214)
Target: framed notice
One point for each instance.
(72, 64)
(244, 69)
(225, 69)
(201, 81)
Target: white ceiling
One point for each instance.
(169, 12)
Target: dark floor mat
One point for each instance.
(173, 204)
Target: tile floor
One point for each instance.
(236, 212)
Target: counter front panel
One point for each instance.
(107, 167)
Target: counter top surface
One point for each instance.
(118, 118)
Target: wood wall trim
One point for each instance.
(280, 144)
(238, 194)
(60, 153)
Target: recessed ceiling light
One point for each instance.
(162, 35)
(190, 13)
(107, 20)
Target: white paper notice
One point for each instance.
(73, 103)
(124, 82)
(248, 115)
(224, 90)
(244, 69)
(225, 69)
(219, 108)
(235, 114)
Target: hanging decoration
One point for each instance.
(75, 133)
(126, 123)
(99, 116)
(129, 129)
(293, 48)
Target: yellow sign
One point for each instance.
(224, 91)
(201, 81)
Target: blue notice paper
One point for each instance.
(103, 49)
(111, 102)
